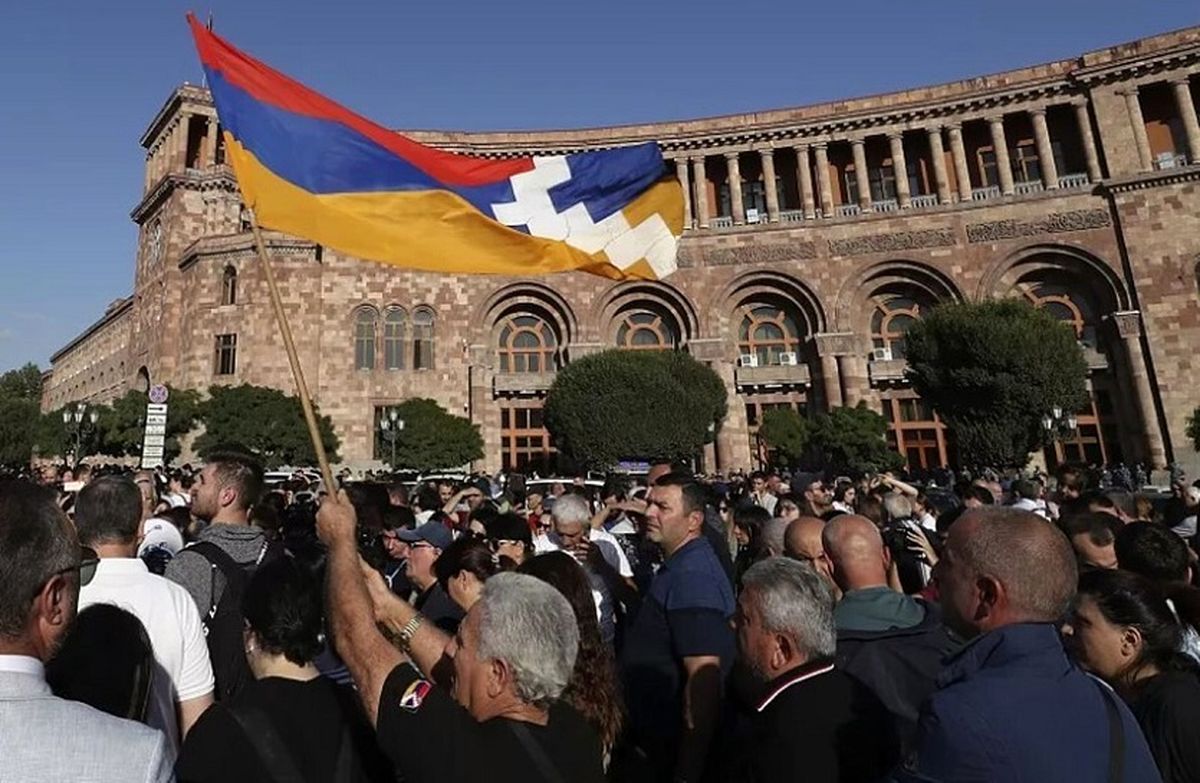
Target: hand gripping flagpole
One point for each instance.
(289, 345)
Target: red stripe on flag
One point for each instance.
(270, 86)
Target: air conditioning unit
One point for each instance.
(748, 360)
(788, 359)
(752, 215)
(1166, 160)
(881, 354)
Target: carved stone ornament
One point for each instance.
(1054, 223)
(747, 254)
(891, 243)
(1129, 323)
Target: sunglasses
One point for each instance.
(88, 560)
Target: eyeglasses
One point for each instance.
(88, 561)
(421, 545)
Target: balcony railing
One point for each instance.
(773, 375)
(1074, 181)
(791, 216)
(845, 210)
(984, 194)
(886, 205)
(514, 383)
(1025, 188)
(886, 370)
(925, 201)
(721, 222)
(1168, 160)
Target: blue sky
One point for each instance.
(79, 81)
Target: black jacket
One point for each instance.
(819, 725)
(899, 665)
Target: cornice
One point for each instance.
(113, 314)
(1153, 179)
(214, 178)
(234, 246)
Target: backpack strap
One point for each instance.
(269, 748)
(1116, 735)
(537, 754)
(218, 560)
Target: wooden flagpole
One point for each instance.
(289, 345)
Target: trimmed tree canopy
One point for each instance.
(853, 441)
(264, 422)
(122, 424)
(992, 370)
(432, 438)
(788, 433)
(621, 404)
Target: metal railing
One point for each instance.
(1074, 181)
(983, 194)
(924, 201)
(1025, 188)
(886, 205)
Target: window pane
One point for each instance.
(646, 337)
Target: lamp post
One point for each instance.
(79, 423)
(390, 427)
(1058, 427)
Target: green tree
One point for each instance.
(121, 424)
(788, 433)
(852, 441)
(432, 438)
(262, 421)
(49, 435)
(1193, 429)
(18, 424)
(992, 370)
(23, 383)
(620, 404)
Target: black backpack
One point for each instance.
(223, 622)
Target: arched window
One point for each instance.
(767, 331)
(527, 344)
(229, 286)
(891, 319)
(423, 339)
(1067, 306)
(395, 324)
(643, 330)
(364, 338)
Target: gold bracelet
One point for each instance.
(408, 631)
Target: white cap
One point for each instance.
(162, 533)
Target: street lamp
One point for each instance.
(1057, 426)
(390, 427)
(79, 422)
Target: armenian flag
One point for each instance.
(312, 168)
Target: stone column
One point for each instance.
(1084, 121)
(179, 138)
(822, 152)
(1187, 112)
(831, 381)
(681, 171)
(937, 154)
(900, 170)
(700, 179)
(1000, 149)
(1041, 136)
(859, 146)
(853, 370)
(210, 143)
(768, 173)
(1138, 123)
(804, 180)
(1129, 327)
(734, 174)
(959, 152)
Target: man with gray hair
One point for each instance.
(512, 658)
(812, 722)
(1011, 705)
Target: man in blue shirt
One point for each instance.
(681, 645)
(1011, 706)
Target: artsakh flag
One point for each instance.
(313, 169)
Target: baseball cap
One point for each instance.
(1192, 494)
(160, 533)
(434, 533)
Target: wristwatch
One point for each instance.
(408, 631)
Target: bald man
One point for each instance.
(802, 541)
(1012, 706)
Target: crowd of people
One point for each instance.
(200, 626)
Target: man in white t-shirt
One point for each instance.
(108, 516)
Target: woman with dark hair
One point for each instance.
(106, 661)
(462, 569)
(291, 723)
(1124, 632)
(593, 689)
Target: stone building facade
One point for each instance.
(814, 236)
